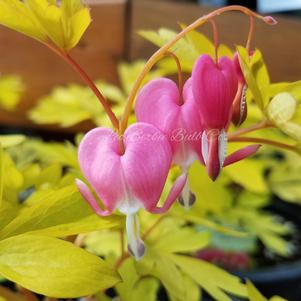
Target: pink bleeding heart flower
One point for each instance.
(129, 180)
(162, 104)
(214, 88)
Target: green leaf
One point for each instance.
(16, 15)
(53, 267)
(211, 278)
(183, 240)
(243, 171)
(8, 211)
(134, 288)
(73, 104)
(1, 176)
(254, 294)
(58, 213)
(285, 178)
(250, 75)
(11, 91)
(11, 140)
(276, 243)
(170, 276)
(128, 74)
(52, 152)
(188, 49)
(63, 24)
(211, 196)
(104, 243)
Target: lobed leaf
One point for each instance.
(58, 213)
(53, 267)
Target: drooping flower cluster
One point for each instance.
(128, 170)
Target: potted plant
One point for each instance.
(53, 244)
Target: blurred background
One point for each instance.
(113, 38)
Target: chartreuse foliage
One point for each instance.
(73, 104)
(187, 49)
(11, 90)
(31, 251)
(46, 21)
(255, 295)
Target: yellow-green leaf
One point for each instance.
(63, 24)
(53, 267)
(250, 76)
(245, 170)
(11, 90)
(254, 294)
(11, 140)
(183, 240)
(219, 281)
(59, 213)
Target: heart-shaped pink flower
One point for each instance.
(214, 88)
(127, 180)
(161, 103)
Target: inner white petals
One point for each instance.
(205, 147)
(135, 244)
(222, 147)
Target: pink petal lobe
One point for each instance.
(242, 154)
(89, 197)
(214, 89)
(159, 103)
(146, 162)
(99, 159)
(172, 196)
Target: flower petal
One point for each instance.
(146, 162)
(242, 154)
(214, 89)
(159, 103)
(214, 149)
(172, 196)
(99, 159)
(89, 197)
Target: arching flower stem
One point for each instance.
(161, 52)
(255, 127)
(180, 74)
(86, 78)
(250, 35)
(215, 39)
(265, 141)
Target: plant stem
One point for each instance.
(160, 52)
(86, 78)
(126, 255)
(250, 35)
(264, 141)
(215, 39)
(180, 74)
(255, 127)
